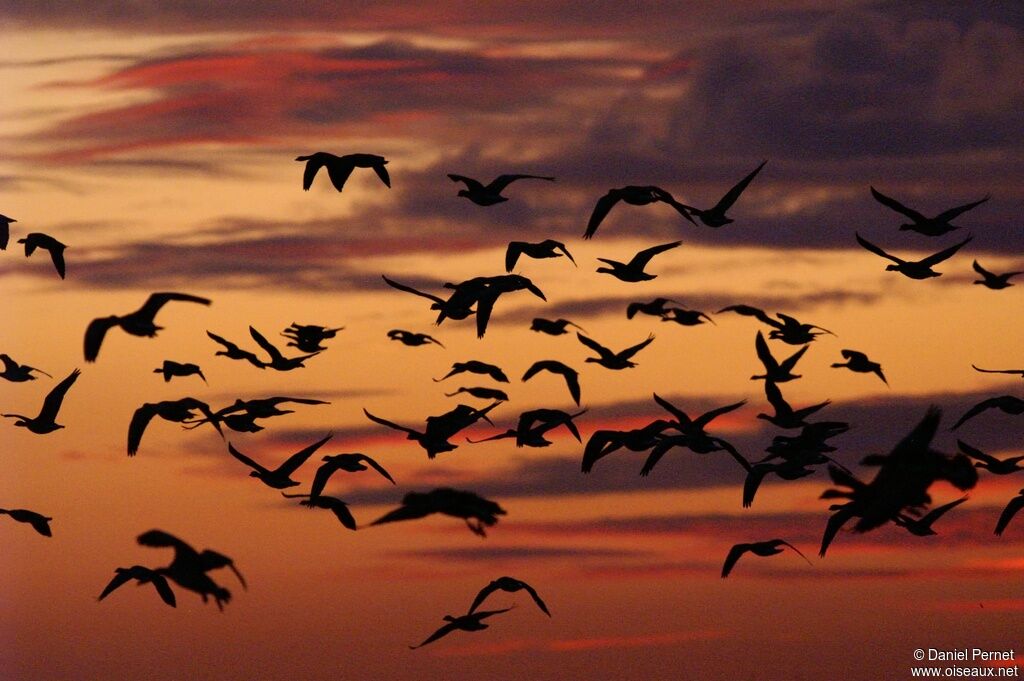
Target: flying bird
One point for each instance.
(336, 506)
(340, 167)
(1016, 372)
(232, 351)
(47, 243)
(552, 327)
(858, 362)
(307, 337)
(936, 226)
(490, 194)
(992, 280)
(5, 231)
(1008, 404)
(549, 248)
(175, 411)
(510, 585)
(46, 421)
(1012, 508)
(170, 369)
(715, 216)
(787, 329)
(189, 567)
(685, 317)
(634, 196)
(39, 522)
(138, 323)
(613, 360)
(633, 271)
(922, 527)
(278, 361)
(775, 371)
(481, 393)
(412, 339)
(785, 416)
(280, 477)
(350, 463)
(762, 548)
(476, 367)
(534, 424)
(18, 373)
(439, 429)
(477, 512)
(143, 575)
(470, 622)
(571, 376)
(915, 269)
(655, 308)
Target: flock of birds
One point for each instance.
(897, 493)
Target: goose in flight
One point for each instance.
(571, 376)
(280, 477)
(307, 337)
(46, 421)
(1016, 372)
(470, 622)
(477, 512)
(350, 463)
(340, 167)
(138, 323)
(510, 585)
(534, 424)
(604, 442)
(170, 369)
(685, 317)
(992, 280)
(484, 293)
(18, 373)
(37, 521)
(241, 415)
(189, 567)
(655, 308)
(756, 473)
(761, 548)
(991, 463)
(459, 308)
(1008, 404)
(490, 194)
(552, 327)
(5, 231)
(715, 216)
(936, 226)
(634, 196)
(787, 329)
(232, 351)
(142, 575)
(47, 243)
(412, 339)
(633, 271)
(785, 416)
(336, 506)
(439, 429)
(775, 371)
(613, 360)
(916, 269)
(481, 393)
(922, 527)
(278, 361)
(476, 367)
(859, 363)
(1012, 508)
(549, 248)
(175, 411)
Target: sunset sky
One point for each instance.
(157, 140)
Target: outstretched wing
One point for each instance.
(404, 512)
(484, 593)
(472, 185)
(292, 463)
(377, 467)
(140, 419)
(499, 183)
(158, 300)
(1011, 510)
(246, 460)
(948, 215)
(409, 289)
(389, 424)
(512, 253)
(339, 171)
(601, 209)
(641, 259)
(314, 163)
(443, 631)
(734, 193)
(270, 348)
(382, 173)
(751, 311)
(630, 351)
(876, 250)
(53, 400)
(94, 334)
(601, 350)
(734, 555)
(936, 258)
(895, 205)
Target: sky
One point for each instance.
(157, 140)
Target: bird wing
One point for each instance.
(755, 474)
(53, 400)
(983, 272)
(765, 355)
(246, 460)
(293, 462)
(323, 474)
(339, 171)
(314, 163)
(790, 362)
(512, 253)
(940, 511)
(641, 259)
(57, 256)
(472, 185)
(976, 453)
(984, 405)
(798, 551)
(680, 415)
(919, 438)
(895, 205)
(560, 246)
(121, 576)
(536, 598)
(484, 593)
(161, 539)
(832, 527)
(409, 289)
(936, 258)
(270, 348)
(443, 631)
(94, 334)
(751, 311)
(709, 416)
(630, 351)
(140, 419)
(948, 215)
(405, 512)
(1011, 510)
(734, 555)
(164, 589)
(382, 173)
(730, 196)
(211, 560)
(377, 467)
(600, 444)
(604, 352)
(158, 300)
(496, 373)
(572, 381)
(601, 209)
(499, 183)
(389, 424)
(775, 398)
(877, 251)
(340, 510)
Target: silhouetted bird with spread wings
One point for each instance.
(655, 308)
(534, 424)
(336, 506)
(340, 167)
(476, 367)
(991, 463)
(481, 392)
(470, 622)
(37, 521)
(634, 196)
(715, 216)
(490, 194)
(278, 361)
(350, 463)
(46, 421)
(613, 360)
(138, 323)
(1012, 508)
(771, 547)
(189, 567)
(477, 512)
(176, 411)
(142, 575)
(46, 243)
(170, 369)
(549, 248)
(307, 337)
(922, 527)
(786, 329)
(439, 429)
(571, 376)
(858, 362)
(1008, 404)
(914, 269)
(509, 585)
(775, 371)
(1013, 372)
(18, 373)
(633, 271)
(552, 327)
(280, 477)
(232, 351)
(412, 339)
(785, 416)
(936, 226)
(992, 280)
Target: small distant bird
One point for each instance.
(412, 339)
(922, 527)
(481, 393)
(787, 329)
(439, 429)
(143, 575)
(170, 369)
(18, 373)
(468, 506)
(859, 362)
(307, 337)
(655, 308)
(47, 243)
(232, 351)
(336, 506)
(991, 463)
(1017, 372)
(1012, 508)
(280, 477)
(715, 216)
(39, 522)
(350, 463)
(549, 248)
(775, 371)
(534, 424)
(1008, 404)
(992, 280)
(555, 327)
(476, 367)
(785, 416)
(634, 196)
(340, 167)
(917, 269)
(604, 442)
(490, 194)
(5, 231)
(571, 376)
(470, 622)
(45, 422)
(761, 548)
(936, 226)
(189, 567)
(685, 317)
(633, 271)
(511, 585)
(458, 308)
(613, 360)
(175, 411)
(278, 361)
(138, 323)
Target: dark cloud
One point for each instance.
(517, 553)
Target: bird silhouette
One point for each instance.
(787, 329)
(914, 269)
(477, 512)
(439, 429)
(143, 575)
(992, 280)
(5, 231)
(510, 585)
(476, 367)
(756, 473)
(603, 442)
(46, 243)
(170, 369)
(634, 196)
(613, 360)
(340, 167)
(280, 477)
(490, 194)
(37, 521)
(715, 216)
(336, 506)
(45, 422)
(176, 411)
(308, 337)
(459, 308)
(412, 339)
(991, 463)
(761, 548)
(552, 327)
(534, 424)
(470, 622)
(1008, 404)
(138, 323)
(241, 415)
(858, 362)
(633, 271)
(571, 376)
(655, 308)
(691, 434)
(189, 567)
(785, 416)
(481, 393)
(350, 463)
(775, 371)
(1015, 372)
(278, 361)
(549, 248)
(685, 317)
(232, 351)
(1011, 509)
(18, 373)
(922, 527)
(483, 292)
(936, 226)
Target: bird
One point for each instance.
(761, 548)
(350, 463)
(775, 371)
(785, 416)
(476, 367)
(613, 360)
(307, 337)
(534, 424)
(18, 373)
(188, 568)
(992, 280)
(459, 308)
(278, 361)
(756, 473)
(171, 369)
(45, 422)
(571, 376)
(655, 308)
(232, 351)
(490, 194)
(143, 575)
(35, 240)
(468, 506)
(5, 231)
(340, 167)
(936, 226)
(176, 411)
(1011, 509)
(481, 393)
(914, 269)
(241, 415)
(603, 442)
(141, 322)
(1008, 404)
(469, 622)
(39, 522)
(634, 196)
(549, 248)
(633, 271)
(511, 585)
(484, 293)
(336, 506)
(991, 463)
(787, 329)
(412, 339)
(858, 362)
(1018, 372)
(434, 438)
(922, 527)
(280, 477)
(685, 317)
(552, 327)
(715, 216)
